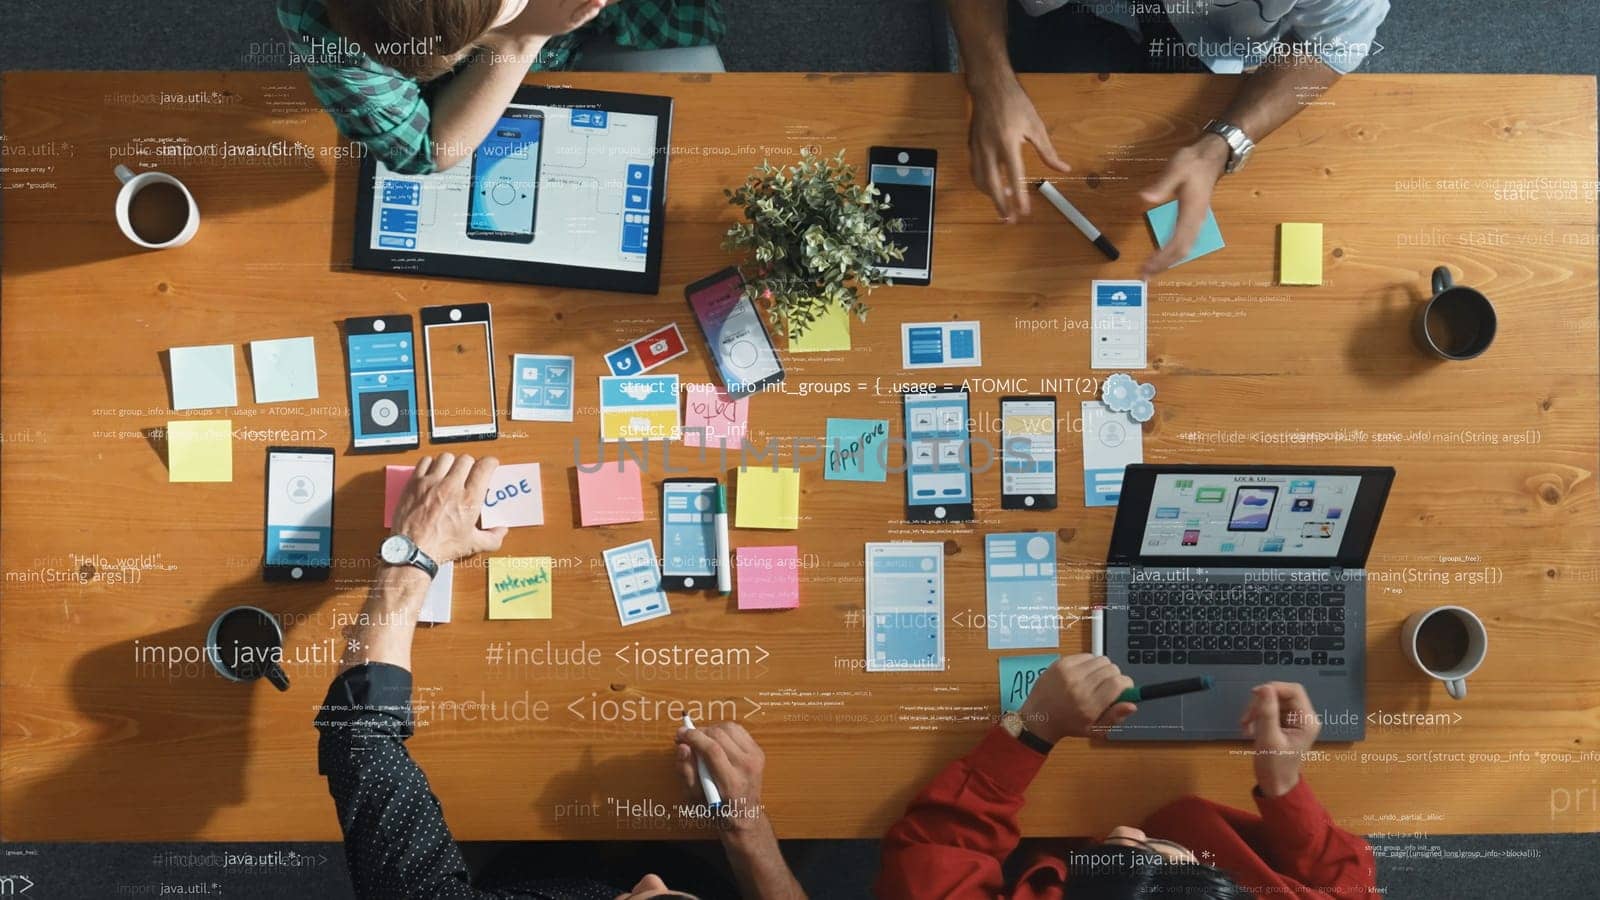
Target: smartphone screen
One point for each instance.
(905, 177)
(938, 471)
(459, 342)
(688, 533)
(734, 331)
(1252, 508)
(505, 178)
(299, 527)
(1027, 452)
(381, 352)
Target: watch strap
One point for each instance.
(423, 561)
(1034, 742)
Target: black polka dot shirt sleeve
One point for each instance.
(396, 842)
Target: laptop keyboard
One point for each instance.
(1184, 624)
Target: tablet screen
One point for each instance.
(548, 184)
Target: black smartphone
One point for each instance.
(689, 554)
(905, 177)
(458, 343)
(938, 455)
(1028, 452)
(381, 362)
(739, 341)
(299, 520)
(504, 204)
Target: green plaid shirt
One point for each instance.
(388, 112)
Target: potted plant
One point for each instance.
(813, 236)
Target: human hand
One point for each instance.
(548, 18)
(1003, 119)
(1191, 175)
(1284, 725)
(735, 762)
(438, 510)
(1075, 695)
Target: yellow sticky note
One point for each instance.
(1300, 253)
(200, 450)
(519, 587)
(829, 331)
(768, 499)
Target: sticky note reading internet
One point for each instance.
(200, 450)
(1018, 674)
(768, 577)
(519, 587)
(768, 499)
(829, 331)
(1300, 253)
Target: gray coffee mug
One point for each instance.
(246, 643)
(1456, 323)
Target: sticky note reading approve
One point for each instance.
(857, 450)
(768, 499)
(1300, 253)
(200, 450)
(519, 587)
(1017, 677)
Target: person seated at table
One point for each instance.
(1295, 49)
(958, 832)
(421, 84)
(396, 841)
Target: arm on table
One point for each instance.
(736, 763)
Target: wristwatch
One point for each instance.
(1014, 726)
(399, 550)
(1239, 144)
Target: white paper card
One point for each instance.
(1119, 325)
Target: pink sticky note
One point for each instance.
(394, 481)
(514, 497)
(768, 577)
(609, 496)
(723, 418)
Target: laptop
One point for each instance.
(1246, 574)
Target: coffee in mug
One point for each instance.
(155, 210)
(245, 643)
(1457, 322)
(1446, 642)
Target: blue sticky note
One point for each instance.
(1164, 218)
(284, 369)
(1019, 580)
(857, 450)
(1017, 677)
(202, 377)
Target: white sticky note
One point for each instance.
(1111, 442)
(202, 377)
(436, 603)
(284, 369)
(514, 497)
(1119, 325)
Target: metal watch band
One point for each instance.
(1239, 144)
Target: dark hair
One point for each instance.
(415, 37)
(1120, 872)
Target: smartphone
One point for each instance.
(905, 177)
(689, 556)
(938, 456)
(1027, 453)
(458, 344)
(733, 329)
(381, 362)
(299, 527)
(504, 204)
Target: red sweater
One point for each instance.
(956, 834)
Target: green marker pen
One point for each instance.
(1165, 689)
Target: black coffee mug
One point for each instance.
(1457, 322)
(245, 643)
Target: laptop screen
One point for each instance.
(1248, 514)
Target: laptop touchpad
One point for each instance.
(1219, 709)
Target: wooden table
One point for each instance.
(104, 559)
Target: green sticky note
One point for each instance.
(768, 499)
(829, 331)
(1300, 253)
(1164, 218)
(519, 587)
(857, 450)
(1017, 677)
(200, 450)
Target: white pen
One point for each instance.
(1078, 219)
(1097, 630)
(713, 796)
(724, 563)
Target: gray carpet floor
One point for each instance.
(1532, 36)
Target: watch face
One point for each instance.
(395, 549)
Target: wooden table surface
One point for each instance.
(1494, 506)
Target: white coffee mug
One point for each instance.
(133, 184)
(1455, 677)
